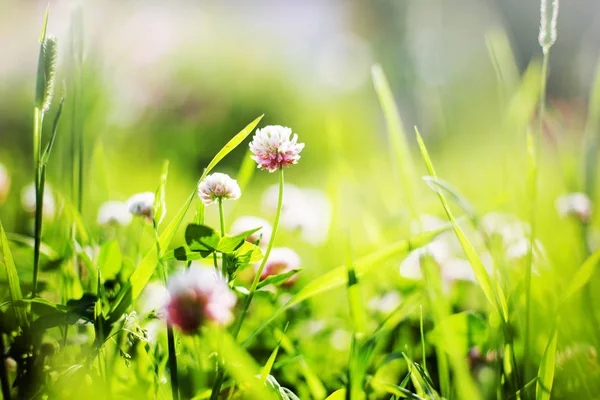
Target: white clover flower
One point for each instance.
(246, 223)
(217, 187)
(4, 183)
(576, 205)
(274, 147)
(340, 339)
(439, 250)
(505, 226)
(307, 210)
(28, 200)
(280, 261)
(386, 303)
(114, 213)
(142, 204)
(197, 296)
(154, 298)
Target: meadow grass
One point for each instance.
(417, 291)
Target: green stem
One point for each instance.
(39, 193)
(238, 325)
(3, 372)
(533, 187)
(170, 333)
(221, 219)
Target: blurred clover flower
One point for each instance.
(142, 204)
(386, 303)
(4, 183)
(28, 200)
(274, 147)
(114, 213)
(576, 205)
(307, 210)
(218, 186)
(246, 223)
(197, 296)
(280, 261)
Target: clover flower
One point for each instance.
(28, 201)
(246, 223)
(4, 183)
(197, 296)
(576, 205)
(274, 147)
(280, 261)
(142, 204)
(217, 187)
(114, 213)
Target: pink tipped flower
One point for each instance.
(274, 147)
(142, 204)
(197, 296)
(217, 187)
(114, 213)
(281, 260)
(243, 224)
(4, 183)
(577, 205)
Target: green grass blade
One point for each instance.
(240, 365)
(481, 274)
(160, 202)
(246, 171)
(232, 144)
(48, 150)
(14, 286)
(543, 388)
(339, 394)
(397, 137)
(582, 276)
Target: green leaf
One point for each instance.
(110, 259)
(440, 186)
(232, 144)
(339, 394)
(397, 136)
(201, 238)
(266, 370)
(246, 171)
(543, 388)
(160, 203)
(276, 279)
(227, 244)
(50, 145)
(582, 276)
(14, 286)
(479, 270)
(41, 306)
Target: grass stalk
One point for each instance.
(3, 372)
(533, 143)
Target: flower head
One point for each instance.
(28, 200)
(280, 261)
(217, 187)
(197, 296)
(4, 183)
(114, 213)
(246, 223)
(142, 204)
(274, 147)
(577, 205)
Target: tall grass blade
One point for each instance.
(582, 276)
(479, 270)
(14, 286)
(397, 137)
(543, 388)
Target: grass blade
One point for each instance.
(14, 286)
(481, 274)
(543, 388)
(401, 151)
(582, 276)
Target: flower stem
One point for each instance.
(170, 333)
(238, 324)
(221, 219)
(39, 182)
(533, 189)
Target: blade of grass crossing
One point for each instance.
(14, 287)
